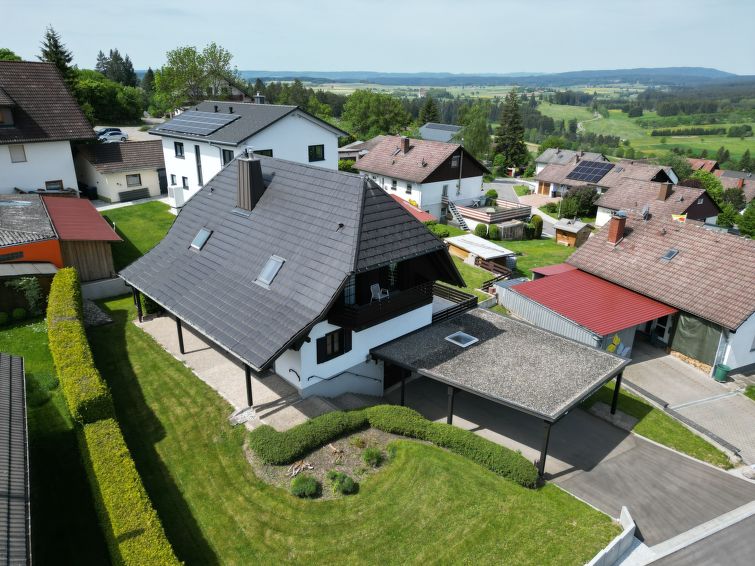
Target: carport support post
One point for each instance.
(138, 303)
(248, 376)
(403, 390)
(615, 400)
(544, 449)
(451, 395)
(180, 332)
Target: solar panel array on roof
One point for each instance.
(197, 122)
(590, 171)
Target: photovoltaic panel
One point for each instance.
(198, 123)
(590, 171)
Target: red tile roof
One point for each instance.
(76, 219)
(420, 215)
(553, 269)
(592, 302)
(709, 165)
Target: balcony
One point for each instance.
(359, 317)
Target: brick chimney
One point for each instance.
(251, 186)
(404, 144)
(664, 191)
(616, 227)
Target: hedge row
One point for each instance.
(132, 528)
(286, 447)
(86, 393)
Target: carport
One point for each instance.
(508, 362)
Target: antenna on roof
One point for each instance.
(646, 212)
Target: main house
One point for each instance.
(39, 119)
(648, 199)
(685, 287)
(427, 174)
(297, 269)
(200, 141)
(556, 179)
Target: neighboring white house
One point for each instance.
(122, 171)
(425, 173)
(200, 141)
(558, 156)
(438, 132)
(38, 121)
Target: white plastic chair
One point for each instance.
(378, 294)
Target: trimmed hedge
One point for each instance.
(86, 393)
(132, 528)
(279, 448)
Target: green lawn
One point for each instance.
(473, 276)
(750, 392)
(654, 424)
(141, 226)
(521, 190)
(63, 520)
(428, 505)
(565, 112)
(536, 253)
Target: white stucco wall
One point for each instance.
(740, 345)
(304, 362)
(289, 138)
(45, 161)
(111, 184)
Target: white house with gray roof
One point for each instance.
(200, 141)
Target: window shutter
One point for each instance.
(321, 355)
(346, 340)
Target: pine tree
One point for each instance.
(720, 154)
(509, 140)
(102, 63)
(745, 164)
(429, 111)
(148, 82)
(129, 75)
(54, 51)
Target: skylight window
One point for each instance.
(271, 269)
(669, 255)
(201, 239)
(462, 339)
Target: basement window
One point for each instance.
(271, 269)
(669, 255)
(201, 239)
(462, 339)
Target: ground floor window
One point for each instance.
(316, 153)
(408, 188)
(134, 180)
(333, 344)
(54, 185)
(185, 182)
(173, 180)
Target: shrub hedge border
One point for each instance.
(280, 448)
(130, 523)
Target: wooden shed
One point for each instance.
(572, 233)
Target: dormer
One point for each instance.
(6, 109)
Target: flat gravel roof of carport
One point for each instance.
(513, 362)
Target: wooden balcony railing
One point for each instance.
(359, 317)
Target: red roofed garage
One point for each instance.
(588, 309)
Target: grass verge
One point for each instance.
(654, 424)
(536, 253)
(141, 226)
(428, 505)
(750, 392)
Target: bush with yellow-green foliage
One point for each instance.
(132, 528)
(86, 393)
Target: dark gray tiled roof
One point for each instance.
(317, 219)
(513, 363)
(444, 127)
(23, 219)
(14, 464)
(254, 118)
(113, 157)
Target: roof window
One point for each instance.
(271, 269)
(462, 339)
(201, 239)
(669, 255)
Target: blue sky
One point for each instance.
(460, 36)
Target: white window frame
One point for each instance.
(138, 177)
(17, 147)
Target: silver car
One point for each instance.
(113, 135)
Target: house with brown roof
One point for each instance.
(556, 179)
(743, 180)
(656, 200)
(709, 165)
(39, 119)
(428, 174)
(558, 156)
(123, 171)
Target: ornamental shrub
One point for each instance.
(439, 230)
(86, 394)
(481, 230)
(305, 486)
(372, 456)
(537, 226)
(149, 306)
(494, 232)
(4, 318)
(132, 528)
(18, 313)
(342, 483)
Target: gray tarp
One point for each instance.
(696, 338)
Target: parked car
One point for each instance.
(113, 136)
(100, 131)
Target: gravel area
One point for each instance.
(513, 362)
(325, 459)
(93, 315)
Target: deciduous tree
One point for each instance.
(369, 114)
(474, 131)
(8, 55)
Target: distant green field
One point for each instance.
(564, 112)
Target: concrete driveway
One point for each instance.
(666, 493)
(718, 408)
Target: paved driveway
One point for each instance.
(717, 407)
(666, 493)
